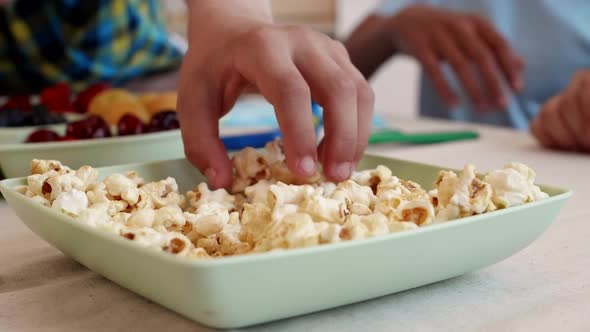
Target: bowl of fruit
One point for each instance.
(100, 125)
(21, 115)
(51, 109)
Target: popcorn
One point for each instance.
(71, 203)
(155, 195)
(97, 193)
(290, 194)
(170, 217)
(41, 200)
(258, 192)
(95, 215)
(514, 185)
(176, 243)
(274, 151)
(121, 218)
(359, 209)
(296, 230)
(256, 219)
(210, 244)
(38, 186)
(329, 232)
(281, 211)
(229, 241)
(250, 166)
(388, 201)
(376, 224)
(419, 212)
(321, 208)
(467, 192)
(197, 253)
(117, 183)
(142, 218)
(372, 178)
(208, 222)
(88, 176)
(400, 226)
(269, 208)
(354, 229)
(352, 192)
(64, 183)
(203, 196)
(46, 166)
(144, 236)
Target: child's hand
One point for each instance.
(471, 46)
(289, 66)
(564, 121)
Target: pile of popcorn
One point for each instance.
(267, 207)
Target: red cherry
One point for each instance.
(85, 97)
(165, 120)
(42, 135)
(101, 132)
(21, 102)
(79, 129)
(57, 98)
(66, 138)
(129, 124)
(91, 127)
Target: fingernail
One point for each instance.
(210, 174)
(342, 170)
(307, 165)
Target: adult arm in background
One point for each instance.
(234, 44)
(564, 120)
(468, 43)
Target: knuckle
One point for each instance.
(301, 33)
(290, 87)
(342, 143)
(339, 48)
(261, 37)
(365, 93)
(464, 27)
(341, 85)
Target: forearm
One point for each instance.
(207, 17)
(370, 45)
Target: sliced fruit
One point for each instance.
(157, 102)
(112, 104)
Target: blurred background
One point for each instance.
(395, 85)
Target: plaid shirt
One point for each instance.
(81, 42)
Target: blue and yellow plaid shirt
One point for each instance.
(81, 42)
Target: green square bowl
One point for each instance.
(244, 290)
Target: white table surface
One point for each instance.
(545, 287)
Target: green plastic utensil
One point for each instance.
(396, 136)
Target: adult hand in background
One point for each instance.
(477, 53)
(564, 121)
(234, 44)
